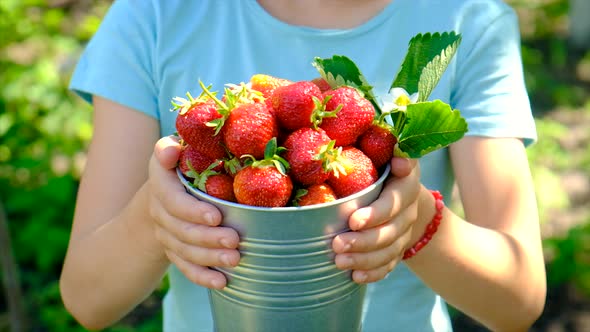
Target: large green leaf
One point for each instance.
(429, 126)
(427, 58)
(339, 70)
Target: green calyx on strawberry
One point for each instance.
(332, 161)
(192, 161)
(359, 173)
(234, 95)
(264, 183)
(321, 112)
(200, 178)
(232, 166)
(183, 105)
(214, 183)
(272, 157)
(246, 122)
(192, 124)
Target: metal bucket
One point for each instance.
(286, 279)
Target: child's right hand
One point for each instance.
(186, 227)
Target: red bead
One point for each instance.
(437, 195)
(439, 205)
(419, 245)
(431, 228)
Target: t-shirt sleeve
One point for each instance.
(489, 87)
(117, 63)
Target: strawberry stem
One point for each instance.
(398, 119)
(211, 95)
(331, 159)
(319, 113)
(271, 157)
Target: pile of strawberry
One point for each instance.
(274, 143)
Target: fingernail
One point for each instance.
(225, 259)
(347, 247)
(346, 262)
(362, 216)
(209, 219)
(348, 244)
(226, 243)
(361, 223)
(360, 277)
(217, 283)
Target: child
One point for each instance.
(134, 222)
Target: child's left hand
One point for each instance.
(381, 231)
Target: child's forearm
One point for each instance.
(113, 268)
(485, 273)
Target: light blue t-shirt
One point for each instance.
(148, 51)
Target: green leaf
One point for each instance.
(340, 70)
(427, 58)
(430, 126)
(271, 148)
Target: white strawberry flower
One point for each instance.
(398, 99)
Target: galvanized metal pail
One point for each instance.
(286, 279)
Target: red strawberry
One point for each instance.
(303, 149)
(262, 186)
(267, 83)
(378, 143)
(294, 104)
(221, 186)
(214, 183)
(315, 194)
(354, 118)
(192, 161)
(359, 173)
(218, 185)
(264, 182)
(246, 123)
(248, 129)
(322, 84)
(191, 125)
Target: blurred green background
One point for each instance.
(44, 130)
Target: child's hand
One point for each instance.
(186, 227)
(381, 231)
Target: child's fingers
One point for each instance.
(199, 275)
(195, 254)
(397, 194)
(378, 237)
(402, 167)
(167, 151)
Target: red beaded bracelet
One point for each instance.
(430, 229)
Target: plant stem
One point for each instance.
(10, 277)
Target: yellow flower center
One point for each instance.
(403, 100)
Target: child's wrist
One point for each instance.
(431, 207)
